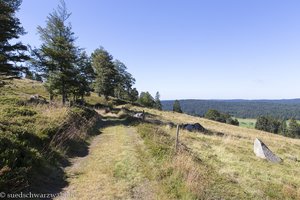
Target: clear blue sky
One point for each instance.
(204, 49)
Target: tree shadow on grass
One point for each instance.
(51, 179)
(50, 176)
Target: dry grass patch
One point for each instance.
(183, 174)
(232, 157)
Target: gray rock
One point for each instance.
(138, 115)
(37, 99)
(170, 125)
(193, 127)
(262, 151)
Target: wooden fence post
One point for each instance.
(177, 138)
(143, 115)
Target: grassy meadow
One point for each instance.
(136, 160)
(246, 122)
(233, 167)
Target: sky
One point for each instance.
(189, 49)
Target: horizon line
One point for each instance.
(297, 98)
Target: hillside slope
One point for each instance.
(133, 159)
(229, 152)
(37, 138)
(127, 160)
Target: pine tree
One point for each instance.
(58, 55)
(294, 128)
(146, 99)
(105, 80)
(177, 107)
(84, 77)
(124, 81)
(283, 130)
(133, 95)
(213, 115)
(157, 101)
(10, 28)
(268, 123)
(262, 123)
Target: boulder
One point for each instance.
(262, 151)
(193, 127)
(139, 115)
(170, 125)
(37, 99)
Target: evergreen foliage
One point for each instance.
(133, 95)
(177, 107)
(124, 81)
(146, 100)
(283, 128)
(106, 72)
(281, 109)
(267, 123)
(65, 67)
(273, 125)
(157, 101)
(221, 117)
(11, 54)
(294, 128)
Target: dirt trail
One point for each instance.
(112, 169)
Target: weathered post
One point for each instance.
(143, 115)
(177, 138)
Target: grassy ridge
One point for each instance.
(29, 155)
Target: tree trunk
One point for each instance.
(63, 90)
(50, 96)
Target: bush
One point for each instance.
(20, 111)
(220, 117)
(268, 124)
(294, 128)
(146, 100)
(16, 160)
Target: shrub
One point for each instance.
(220, 117)
(19, 111)
(268, 124)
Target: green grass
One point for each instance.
(26, 135)
(217, 166)
(247, 122)
(230, 163)
(183, 175)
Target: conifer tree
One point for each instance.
(124, 81)
(58, 55)
(146, 99)
(133, 95)
(105, 72)
(283, 130)
(84, 77)
(157, 101)
(177, 107)
(10, 28)
(294, 128)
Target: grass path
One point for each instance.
(111, 170)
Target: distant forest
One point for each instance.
(282, 109)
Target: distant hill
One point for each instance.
(282, 108)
